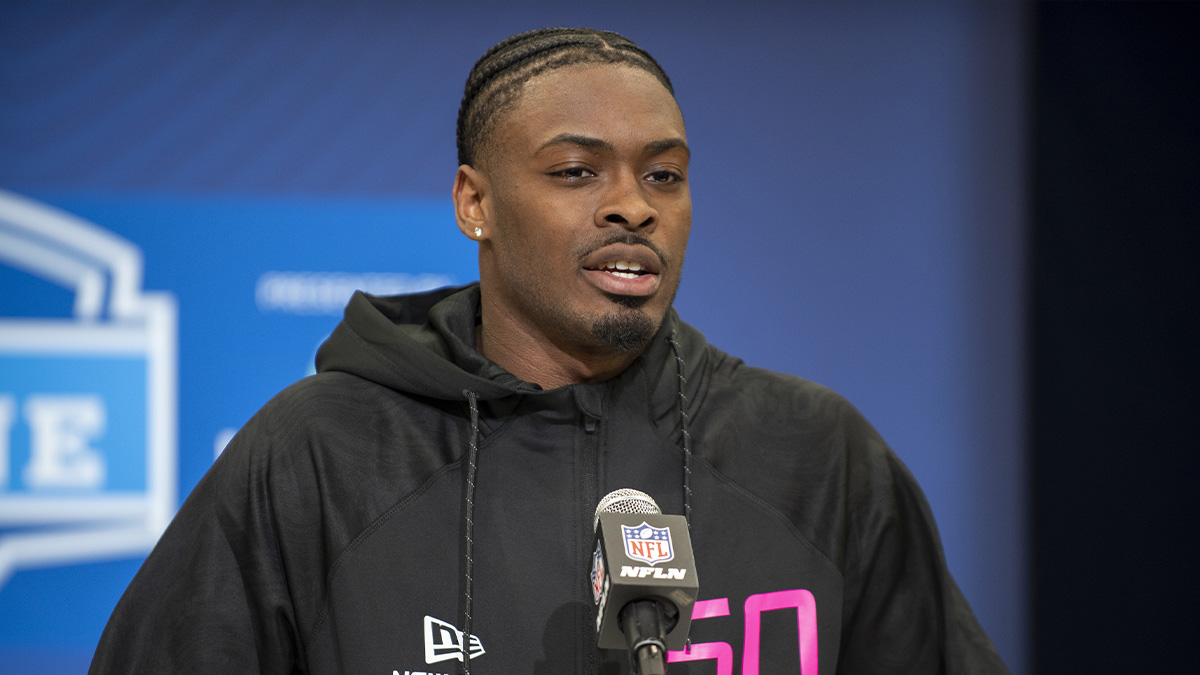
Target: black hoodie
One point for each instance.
(328, 536)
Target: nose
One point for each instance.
(625, 205)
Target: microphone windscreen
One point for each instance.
(625, 500)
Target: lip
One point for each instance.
(644, 284)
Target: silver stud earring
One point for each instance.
(479, 232)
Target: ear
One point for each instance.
(470, 191)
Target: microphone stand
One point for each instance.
(643, 623)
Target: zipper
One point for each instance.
(588, 495)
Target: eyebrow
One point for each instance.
(669, 144)
(601, 145)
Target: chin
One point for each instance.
(626, 331)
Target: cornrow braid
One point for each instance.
(495, 82)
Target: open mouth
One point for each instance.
(624, 269)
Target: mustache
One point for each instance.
(631, 238)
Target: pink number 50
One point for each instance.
(722, 652)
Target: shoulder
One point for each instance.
(730, 394)
(335, 434)
(789, 413)
(341, 409)
(319, 399)
(801, 448)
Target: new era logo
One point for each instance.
(444, 642)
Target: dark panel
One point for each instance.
(1115, 213)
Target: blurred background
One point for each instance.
(975, 220)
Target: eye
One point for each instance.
(574, 173)
(664, 176)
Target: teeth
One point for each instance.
(623, 269)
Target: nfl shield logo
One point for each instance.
(597, 575)
(647, 543)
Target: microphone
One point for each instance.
(643, 579)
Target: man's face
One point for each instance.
(589, 209)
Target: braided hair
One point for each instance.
(495, 82)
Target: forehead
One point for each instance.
(620, 104)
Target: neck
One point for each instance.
(534, 357)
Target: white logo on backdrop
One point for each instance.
(68, 494)
(328, 292)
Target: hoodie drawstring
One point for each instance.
(468, 531)
(687, 433)
(687, 450)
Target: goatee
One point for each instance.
(627, 332)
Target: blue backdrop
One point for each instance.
(191, 189)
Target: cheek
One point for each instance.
(532, 238)
(682, 217)
(546, 224)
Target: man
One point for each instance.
(440, 472)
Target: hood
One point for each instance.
(424, 345)
(421, 344)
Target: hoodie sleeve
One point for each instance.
(903, 611)
(212, 596)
